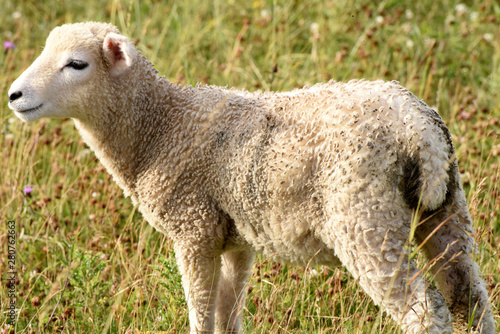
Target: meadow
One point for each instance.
(87, 262)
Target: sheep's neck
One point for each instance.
(128, 146)
(116, 157)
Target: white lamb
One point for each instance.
(332, 174)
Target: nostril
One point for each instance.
(14, 96)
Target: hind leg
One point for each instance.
(456, 274)
(371, 242)
(231, 294)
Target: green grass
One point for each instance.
(87, 261)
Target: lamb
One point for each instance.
(338, 173)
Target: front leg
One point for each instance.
(200, 268)
(231, 295)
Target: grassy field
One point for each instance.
(87, 262)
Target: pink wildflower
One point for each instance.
(8, 45)
(27, 190)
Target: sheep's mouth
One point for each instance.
(26, 111)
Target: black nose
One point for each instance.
(14, 96)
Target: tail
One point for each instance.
(429, 167)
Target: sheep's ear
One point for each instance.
(119, 52)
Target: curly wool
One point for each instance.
(331, 174)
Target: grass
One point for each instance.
(87, 262)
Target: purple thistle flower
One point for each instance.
(8, 45)
(27, 190)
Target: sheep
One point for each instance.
(336, 174)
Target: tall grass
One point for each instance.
(87, 262)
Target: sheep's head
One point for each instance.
(77, 63)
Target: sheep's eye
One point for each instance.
(77, 64)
